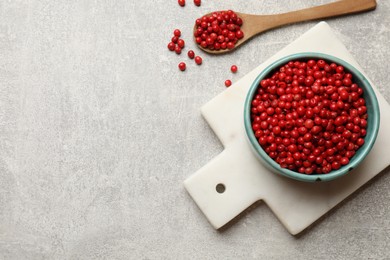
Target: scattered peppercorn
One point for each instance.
(171, 46)
(182, 2)
(181, 43)
(182, 66)
(234, 68)
(228, 83)
(191, 54)
(177, 49)
(174, 39)
(198, 60)
(177, 32)
(197, 2)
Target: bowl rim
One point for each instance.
(357, 159)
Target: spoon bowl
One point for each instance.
(256, 24)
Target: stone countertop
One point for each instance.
(99, 128)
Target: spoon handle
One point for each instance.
(337, 8)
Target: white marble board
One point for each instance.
(296, 204)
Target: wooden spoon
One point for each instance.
(255, 24)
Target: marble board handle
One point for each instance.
(219, 188)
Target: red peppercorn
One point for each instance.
(311, 115)
(198, 60)
(182, 66)
(197, 2)
(191, 54)
(230, 45)
(171, 46)
(182, 2)
(335, 165)
(177, 49)
(181, 43)
(239, 34)
(234, 68)
(177, 33)
(360, 141)
(209, 41)
(339, 69)
(219, 27)
(174, 39)
(228, 83)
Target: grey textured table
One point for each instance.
(98, 130)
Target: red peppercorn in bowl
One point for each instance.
(311, 117)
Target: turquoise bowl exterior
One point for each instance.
(372, 126)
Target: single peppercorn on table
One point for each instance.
(235, 179)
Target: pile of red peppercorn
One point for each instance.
(310, 117)
(218, 30)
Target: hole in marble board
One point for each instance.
(318, 179)
(350, 169)
(220, 188)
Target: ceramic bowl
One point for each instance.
(372, 122)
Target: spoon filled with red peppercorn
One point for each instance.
(223, 31)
